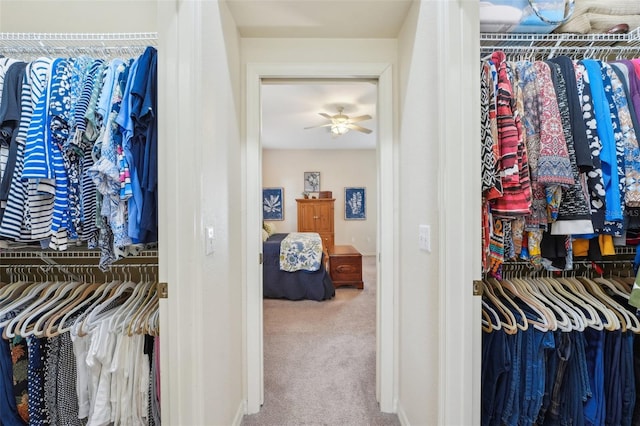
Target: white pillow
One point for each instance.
(269, 227)
(265, 235)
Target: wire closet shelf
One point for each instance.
(30, 45)
(601, 46)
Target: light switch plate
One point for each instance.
(424, 238)
(209, 237)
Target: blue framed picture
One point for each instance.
(355, 204)
(273, 203)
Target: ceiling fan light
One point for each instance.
(339, 129)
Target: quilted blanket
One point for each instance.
(301, 251)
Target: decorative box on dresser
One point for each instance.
(316, 215)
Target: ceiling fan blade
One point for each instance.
(359, 118)
(358, 128)
(325, 115)
(320, 125)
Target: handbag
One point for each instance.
(524, 16)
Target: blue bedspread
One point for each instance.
(277, 284)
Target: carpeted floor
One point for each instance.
(319, 360)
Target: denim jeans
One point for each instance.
(628, 385)
(612, 380)
(594, 407)
(496, 367)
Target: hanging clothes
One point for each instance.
(66, 133)
(569, 123)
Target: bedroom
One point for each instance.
(294, 114)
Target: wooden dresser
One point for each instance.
(316, 215)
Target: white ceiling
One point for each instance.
(319, 18)
(288, 108)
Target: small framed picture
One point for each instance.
(311, 181)
(273, 203)
(355, 202)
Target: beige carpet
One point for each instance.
(319, 360)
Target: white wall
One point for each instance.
(203, 173)
(96, 16)
(419, 168)
(338, 169)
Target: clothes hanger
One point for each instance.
(575, 318)
(593, 319)
(154, 322)
(152, 305)
(508, 320)
(49, 328)
(631, 319)
(101, 293)
(103, 310)
(119, 318)
(70, 298)
(608, 283)
(27, 325)
(33, 297)
(494, 318)
(20, 300)
(603, 299)
(574, 290)
(135, 317)
(546, 320)
(11, 291)
(562, 314)
(504, 320)
(510, 305)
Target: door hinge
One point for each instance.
(260, 259)
(477, 287)
(163, 290)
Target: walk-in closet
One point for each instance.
(560, 117)
(79, 290)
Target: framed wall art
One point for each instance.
(273, 203)
(355, 204)
(311, 181)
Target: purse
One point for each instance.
(524, 16)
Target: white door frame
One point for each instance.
(387, 324)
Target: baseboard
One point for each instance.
(237, 419)
(402, 416)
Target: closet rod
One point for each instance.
(148, 270)
(548, 52)
(68, 254)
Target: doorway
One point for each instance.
(301, 336)
(386, 327)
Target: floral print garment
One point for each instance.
(301, 251)
(20, 361)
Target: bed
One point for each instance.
(298, 285)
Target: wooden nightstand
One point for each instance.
(345, 266)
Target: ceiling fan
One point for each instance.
(340, 123)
